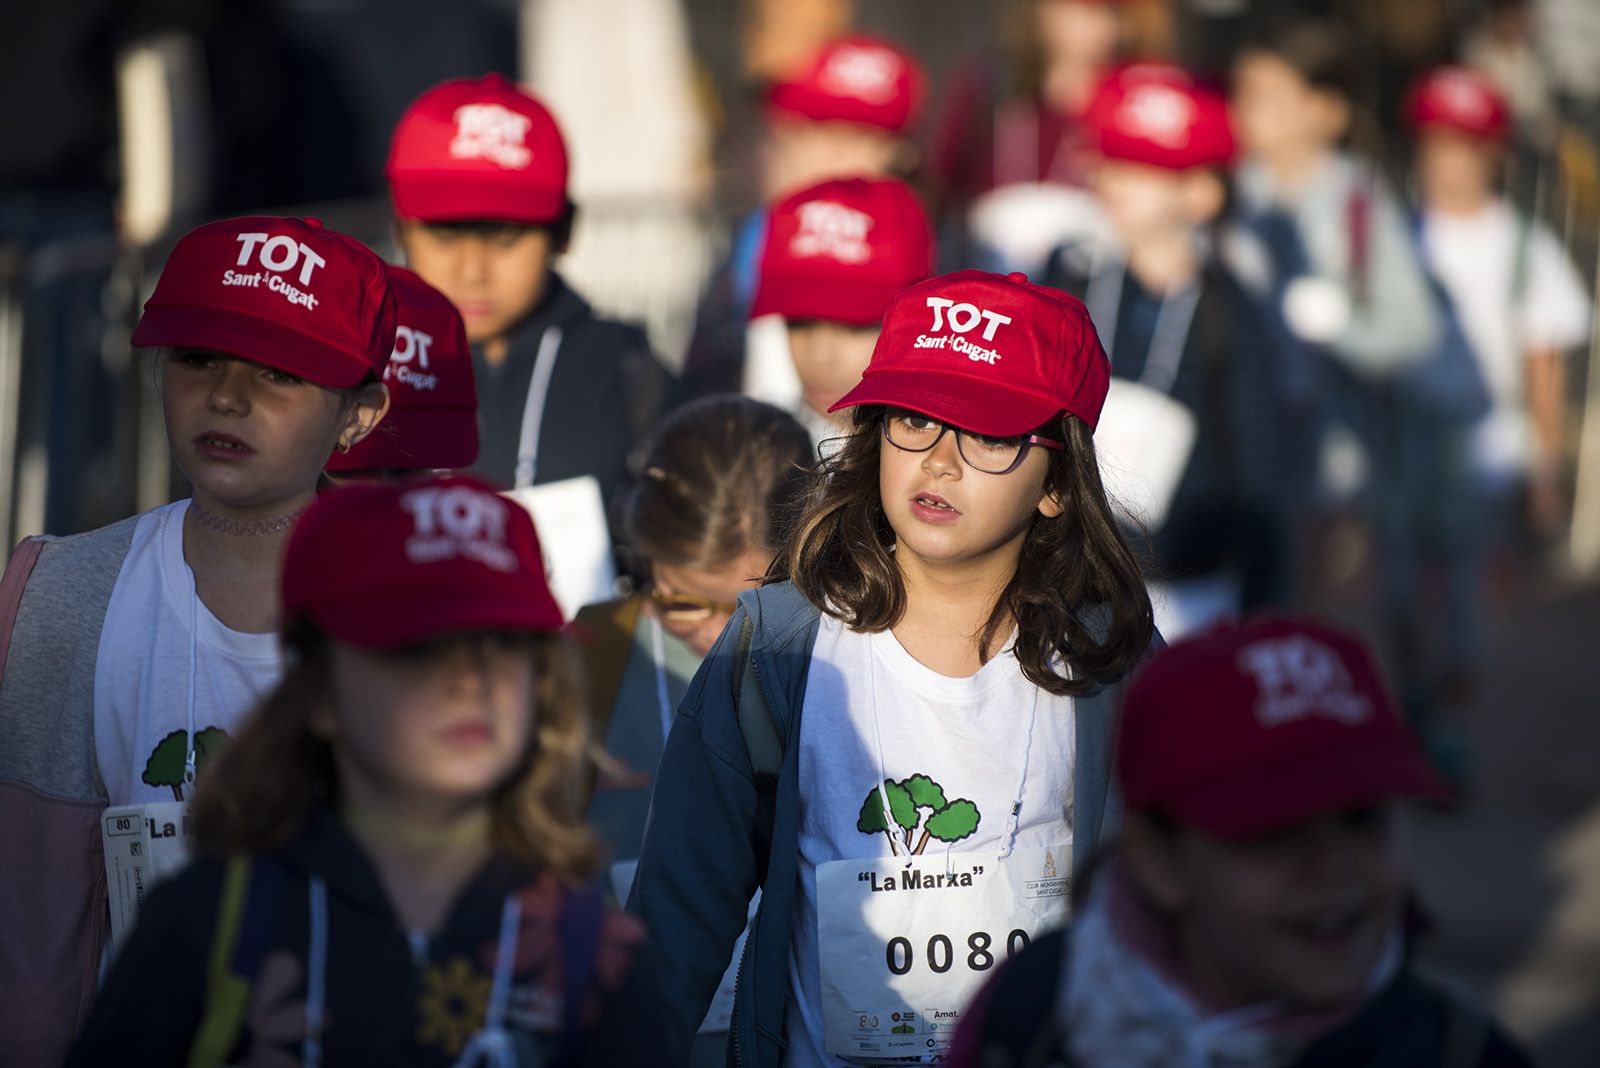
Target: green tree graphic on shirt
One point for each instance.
(917, 803)
(165, 766)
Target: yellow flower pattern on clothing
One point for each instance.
(452, 1004)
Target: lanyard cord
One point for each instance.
(493, 1043)
(1168, 338)
(189, 754)
(316, 974)
(1008, 836)
(544, 364)
(658, 652)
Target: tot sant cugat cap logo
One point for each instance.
(280, 258)
(411, 344)
(830, 229)
(1298, 677)
(494, 133)
(1160, 114)
(458, 521)
(865, 73)
(962, 318)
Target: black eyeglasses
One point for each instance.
(914, 432)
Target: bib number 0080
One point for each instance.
(900, 956)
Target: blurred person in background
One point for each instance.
(432, 421)
(1192, 441)
(721, 482)
(1353, 290)
(1483, 434)
(848, 112)
(1254, 911)
(835, 254)
(478, 176)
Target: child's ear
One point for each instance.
(1333, 115)
(1203, 194)
(367, 408)
(1051, 505)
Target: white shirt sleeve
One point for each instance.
(1554, 308)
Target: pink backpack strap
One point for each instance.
(11, 587)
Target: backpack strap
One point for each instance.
(761, 738)
(246, 914)
(1358, 232)
(12, 585)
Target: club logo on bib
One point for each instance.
(1297, 678)
(494, 133)
(961, 319)
(915, 810)
(277, 256)
(864, 73)
(458, 521)
(833, 230)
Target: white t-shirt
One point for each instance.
(872, 711)
(142, 671)
(1475, 258)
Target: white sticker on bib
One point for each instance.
(905, 946)
(719, 1017)
(144, 844)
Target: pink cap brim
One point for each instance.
(372, 623)
(1294, 790)
(974, 404)
(415, 439)
(263, 341)
(457, 198)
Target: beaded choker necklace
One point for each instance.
(243, 528)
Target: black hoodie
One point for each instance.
(389, 1000)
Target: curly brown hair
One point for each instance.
(1075, 570)
(267, 784)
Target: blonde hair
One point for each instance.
(263, 790)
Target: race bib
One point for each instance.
(720, 1017)
(905, 946)
(571, 520)
(1143, 441)
(144, 844)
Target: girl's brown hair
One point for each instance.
(262, 792)
(722, 475)
(1073, 568)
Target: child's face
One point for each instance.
(1456, 171)
(247, 436)
(1300, 915)
(800, 152)
(446, 723)
(1076, 30)
(1277, 114)
(1141, 202)
(945, 513)
(829, 358)
(493, 275)
(699, 629)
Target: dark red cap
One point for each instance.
(478, 148)
(432, 421)
(1159, 115)
(384, 565)
(1460, 99)
(840, 251)
(855, 79)
(284, 293)
(991, 353)
(1252, 728)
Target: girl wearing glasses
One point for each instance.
(904, 737)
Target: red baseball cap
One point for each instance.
(385, 565)
(840, 250)
(284, 293)
(990, 353)
(1159, 115)
(855, 79)
(1461, 99)
(1255, 727)
(432, 420)
(478, 148)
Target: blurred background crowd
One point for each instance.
(1432, 401)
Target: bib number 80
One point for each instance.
(941, 956)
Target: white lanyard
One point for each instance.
(194, 671)
(544, 365)
(1167, 340)
(492, 1042)
(1008, 837)
(658, 652)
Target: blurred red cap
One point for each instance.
(990, 353)
(1255, 727)
(478, 148)
(284, 293)
(840, 250)
(1157, 114)
(386, 565)
(432, 420)
(1461, 99)
(855, 79)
